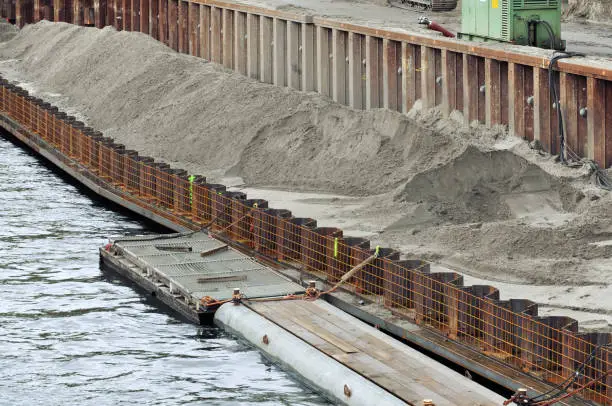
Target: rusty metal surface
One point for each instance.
(549, 348)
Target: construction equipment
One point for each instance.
(435, 27)
(523, 22)
(433, 5)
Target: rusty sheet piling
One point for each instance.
(549, 348)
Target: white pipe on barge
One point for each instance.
(321, 372)
(346, 359)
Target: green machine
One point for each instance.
(523, 22)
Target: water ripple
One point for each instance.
(72, 334)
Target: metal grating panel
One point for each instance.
(523, 4)
(214, 275)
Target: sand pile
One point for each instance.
(147, 96)
(472, 198)
(7, 30)
(593, 10)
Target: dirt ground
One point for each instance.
(470, 199)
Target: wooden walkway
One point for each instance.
(399, 369)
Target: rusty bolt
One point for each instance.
(347, 391)
(265, 339)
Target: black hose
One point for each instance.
(555, 96)
(551, 34)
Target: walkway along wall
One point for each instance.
(369, 68)
(510, 331)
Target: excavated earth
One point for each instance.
(471, 199)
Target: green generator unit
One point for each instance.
(524, 22)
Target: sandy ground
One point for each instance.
(466, 198)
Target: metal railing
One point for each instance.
(550, 348)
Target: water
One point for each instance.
(71, 333)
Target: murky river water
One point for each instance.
(73, 334)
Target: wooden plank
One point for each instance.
(390, 74)
(163, 21)
(588, 68)
(126, 15)
(409, 389)
(227, 38)
(492, 92)
(145, 6)
(100, 13)
(294, 69)
(596, 94)
(194, 30)
(173, 24)
(569, 106)
(339, 55)
(449, 82)
(154, 18)
(409, 77)
(355, 65)
(323, 65)
(437, 77)
(279, 63)
(252, 46)
(20, 13)
(240, 43)
(308, 57)
(428, 77)
(76, 12)
(205, 32)
(183, 33)
(542, 109)
(135, 15)
(387, 365)
(110, 13)
(581, 87)
(215, 35)
(318, 331)
(480, 66)
(284, 319)
(265, 49)
(608, 126)
(373, 81)
(470, 88)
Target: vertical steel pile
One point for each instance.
(510, 330)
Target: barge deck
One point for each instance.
(186, 270)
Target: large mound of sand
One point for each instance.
(475, 199)
(185, 110)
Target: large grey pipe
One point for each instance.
(317, 369)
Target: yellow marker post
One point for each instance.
(336, 247)
(191, 179)
(494, 3)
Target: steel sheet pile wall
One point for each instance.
(548, 347)
(369, 68)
